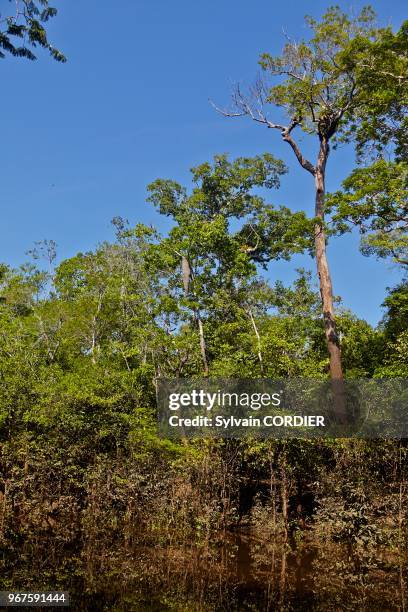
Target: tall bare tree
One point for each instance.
(318, 92)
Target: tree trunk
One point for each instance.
(326, 288)
(187, 277)
(258, 339)
(284, 499)
(203, 347)
(186, 272)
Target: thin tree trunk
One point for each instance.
(94, 345)
(326, 288)
(323, 270)
(258, 338)
(4, 499)
(284, 494)
(272, 489)
(203, 346)
(282, 582)
(187, 275)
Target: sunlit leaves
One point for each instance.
(318, 80)
(376, 200)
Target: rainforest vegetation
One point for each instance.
(92, 500)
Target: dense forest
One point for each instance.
(92, 499)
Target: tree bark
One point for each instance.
(203, 347)
(323, 271)
(326, 288)
(187, 277)
(258, 339)
(186, 272)
(284, 495)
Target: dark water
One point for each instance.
(238, 570)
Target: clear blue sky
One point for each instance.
(81, 141)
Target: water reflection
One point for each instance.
(234, 571)
(241, 571)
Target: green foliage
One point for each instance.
(320, 87)
(209, 262)
(325, 85)
(380, 121)
(348, 80)
(395, 332)
(395, 320)
(222, 196)
(375, 199)
(25, 23)
(82, 346)
(362, 346)
(223, 188)
(82, 358)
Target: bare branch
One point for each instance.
(287, 137)
(250, 106)
(224, 112)
(253, 106)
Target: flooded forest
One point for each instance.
(93, 501)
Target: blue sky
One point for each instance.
(82, 140)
